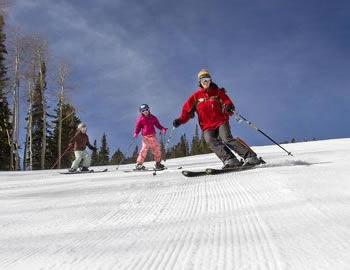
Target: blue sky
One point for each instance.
(284, 63)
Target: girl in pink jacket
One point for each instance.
(146, 123)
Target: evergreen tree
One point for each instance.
(181, 149)
(94, 155)
(103, 154)
(196, 144)
(133, 157)
(38, 111)
(5, 125)
(204, 148)
(135, 154)
(69, 128)
(149, 156)
(117, 157)
(184, 148)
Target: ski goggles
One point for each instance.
(145, 109)
(205, 80)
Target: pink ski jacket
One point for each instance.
(146, 125)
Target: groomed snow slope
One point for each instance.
(292, 214)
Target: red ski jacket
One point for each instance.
(210, 107)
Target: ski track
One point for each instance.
(284, 216)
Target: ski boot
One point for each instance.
(72, 170)
(253, 161)
(140, 167)
(159, 166)
(84, 169)
(231, 163)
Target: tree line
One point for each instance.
(28, 78)
(24, 92)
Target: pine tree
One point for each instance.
(204, 148)
(133, 157)
(149, 156)
(117, 157)
(184, 148)
(135, 154)
(181, 149)
(196, 144)
(69, 125)
(103, 154)
(5, 125)
(39, 124)
(94, 155)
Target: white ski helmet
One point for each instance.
(81, 125)
(143, 108)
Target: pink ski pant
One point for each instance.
(149, 142)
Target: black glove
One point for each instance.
(176, 122)
(92, 147)
(229, 109)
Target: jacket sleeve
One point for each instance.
(88, 144)
(187, 109)
(138, 126)
(157, 124)
(225, 99)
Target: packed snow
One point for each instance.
(292, 213)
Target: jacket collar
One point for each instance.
(212, 86)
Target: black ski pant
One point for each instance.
(221, 142)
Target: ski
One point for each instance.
(212, 171)
(83, 172)
(144, 170)
(193, 173)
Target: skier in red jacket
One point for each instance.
(213, 109)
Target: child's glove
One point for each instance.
(164, 130)
(136, 135)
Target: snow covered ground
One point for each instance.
(292, 214)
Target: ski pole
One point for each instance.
(168, 141)
(127, 152)
(239, 118)
(65, 151)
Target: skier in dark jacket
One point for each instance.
(79, 143)
(213, 109)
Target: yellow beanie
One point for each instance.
(203, 74)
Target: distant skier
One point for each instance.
(146, 123)
(213, 108)
(79, 143)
